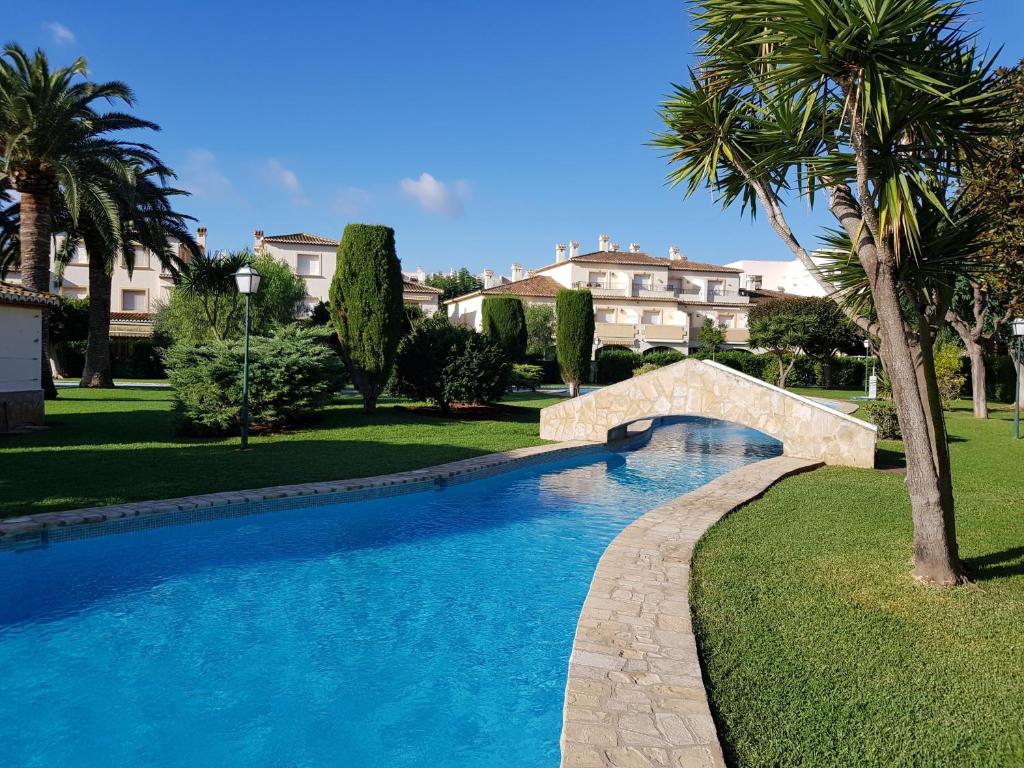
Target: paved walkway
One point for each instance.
(635, 696)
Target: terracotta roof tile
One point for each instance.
(538, 285)
(411, 286)
(16, 294)
(300, 238)
(626, 257)
(131, 317)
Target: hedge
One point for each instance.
(614, 365)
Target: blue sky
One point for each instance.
(484, 133)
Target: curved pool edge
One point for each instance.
(635, 693)
(45, 528)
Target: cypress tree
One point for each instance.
(504, 322)
(367, 308)
(574, 336)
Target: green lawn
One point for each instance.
(112, 446)
(821, 651)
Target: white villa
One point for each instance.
(783, 276)
(314, 259)
(640, 301)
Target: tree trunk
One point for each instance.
(976, 353)
(912, 374)
(34, 231)
(97, 373)
(826, 373)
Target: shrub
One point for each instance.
(849, 373)
(745, 362)
(574, 310)
(540, 329)
(367, 307)
(504, 322)
(711, 336)
(444, 363)
(525, 376)
(616, 365)
(646, 368)
(883, 414)
(802, 374)
(1002, 379)
(948, 366)
(662, 357)
(291, 375)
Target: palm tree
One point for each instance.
(867, 105)
(52, 141)
(146, 218)
(9, 250)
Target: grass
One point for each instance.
(819, 648)
(113, 446)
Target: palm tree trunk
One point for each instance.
(34, 231)
(97, 373)
(936, 558)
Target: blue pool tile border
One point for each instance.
(20, 534)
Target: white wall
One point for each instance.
(20, 329)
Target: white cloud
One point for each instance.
(202, 177)
(60, 34)
(278, 175)
(436, 196)
(350, 201)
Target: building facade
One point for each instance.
(640, 301)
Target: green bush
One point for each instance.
(883, 414)
(291, 374)
(1002, 379)
(574, 335)
(367, 307)
(444, 363)
(646, 368)
(848, 372)
(504, 322)
(662, 357)
(616, 365)
(525, 376)
(740, 360)
(948, 366)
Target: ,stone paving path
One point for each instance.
(635, 696)
(33, 525)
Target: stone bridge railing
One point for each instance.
(807, 429)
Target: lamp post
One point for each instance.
(248, 281)
(867, 350)
(1017, 326)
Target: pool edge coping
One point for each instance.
(635, 692)
(31, 531)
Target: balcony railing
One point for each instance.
(656, 293)
(737, 335)
(615, 333)
(652, 332)
(604, 289)
(723, 295)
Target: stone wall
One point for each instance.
(807, 429)
(18, 408)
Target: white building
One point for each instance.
(21, 327)
(314, 259)
(785, 276)
(640, 301)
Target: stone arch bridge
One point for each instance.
(806, 429)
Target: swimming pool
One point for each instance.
(431, 629)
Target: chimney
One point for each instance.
(201, 238)
(257, 239)
(560, 252)
(634, 247)
(674, 254)
(614, 247)
(488, 278)
(517, 272)
(574, 249)
(421, 275)
(602, 243)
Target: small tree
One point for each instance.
(781, 327)
(455, 283)
(574, 336)
(540, 329)
(366, 301)
(711, 337)
(504, 322)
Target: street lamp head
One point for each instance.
(867, 343)
(1017, 326)
(247, 279)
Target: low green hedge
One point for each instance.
(614, 365)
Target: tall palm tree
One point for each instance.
(9, 249)
(52, 140)
(146, 218)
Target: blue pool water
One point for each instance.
(431, 629)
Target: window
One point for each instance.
(74, 293)
(652, 317)
(604, 315)
(133, 301)
(308, 265)
(726, 321)
(80, 256)
(596, 279)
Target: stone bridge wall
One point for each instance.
(807, 429)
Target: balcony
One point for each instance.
(737, 335)
(676, 333)
(731, 297)
(623, 334)
(605, 290)
(655, 293)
